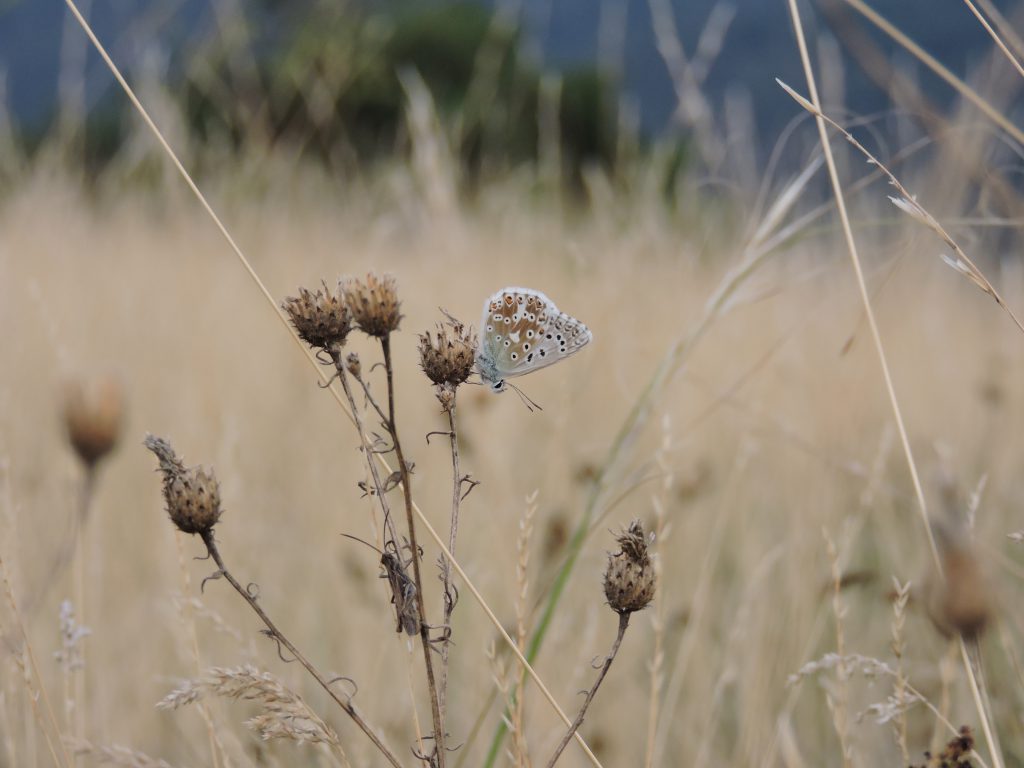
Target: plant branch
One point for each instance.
(450, 597)
(623, 623)
(403, 468)
(348, 707)
(339, 365)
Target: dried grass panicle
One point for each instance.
(321, 318)
(374, 304)
(192, 494)
(70, 657)
(629, 580)
(447, 356)
(284, 714)
(93, 413)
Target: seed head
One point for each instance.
(374, 304)
(321, 319)
(629, 581)
(92, 416)
(192, 494)
(447, 355)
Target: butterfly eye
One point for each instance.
(508, 321)
(497, 337)
(497, 318)
(490, 328)
(515, 356)
(515, 318)
(508, 343)
(529, 334)
(526, 347)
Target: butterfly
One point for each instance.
(522, 331)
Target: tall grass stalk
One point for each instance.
(877, 338)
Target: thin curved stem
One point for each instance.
(403, 468)
(348, 707)
(623, 623)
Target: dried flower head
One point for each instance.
(629, 580)
(957, 753)
(447, 355)
(321, 319)
(374, 304)
(192, 494)
(93, 412)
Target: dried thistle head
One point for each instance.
(629, 580)
(374, 304)
(321, 319)
(192, 494)
(447, 356)
(957, 753)
(93, 411)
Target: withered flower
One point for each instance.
(374, 304)
(447, 356)
(321, 319)
(93, 413)
(629, 581)
(192, 494)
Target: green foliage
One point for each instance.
(327, 83)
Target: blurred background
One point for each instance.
(637, 162)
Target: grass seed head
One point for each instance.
(93, 412)
(321, 319)
(629, 581)
(447, 356)
(374, 304)
(192, 494)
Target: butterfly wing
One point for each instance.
(522, 330)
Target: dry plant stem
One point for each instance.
(339, 365)
(876, 336)
(623, 623)
(908, 203)
(348, 707)
(311, 359)
(446, 568)
(995, 37)
(933, 64)
(403, 468)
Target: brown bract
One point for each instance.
(448, 354)
(374, 304)
(321, 319)
(192, 494)
(92, 416)
(629, 581)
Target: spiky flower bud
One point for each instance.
(354, 366)
(92, 416)
(629, 580)
(374, 304)
(192, 494)
(447, 355)
(321, 319)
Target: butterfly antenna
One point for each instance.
(530, 404)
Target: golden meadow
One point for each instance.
(732, 400)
